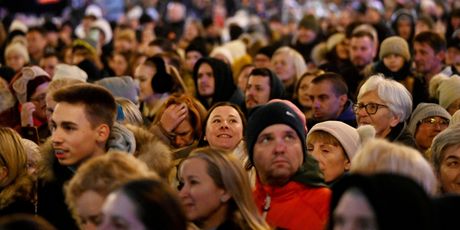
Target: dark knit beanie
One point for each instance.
(309, 22)
(270, 114)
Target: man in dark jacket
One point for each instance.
(81, 124)
(263, 85)
(329, 94)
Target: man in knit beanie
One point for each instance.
(275, 137)
(307, 36)
(334, 144)
(427, 121)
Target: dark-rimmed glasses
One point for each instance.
(371, 108)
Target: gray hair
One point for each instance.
(394, 94)
(450, 137)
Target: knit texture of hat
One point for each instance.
(65, 71)
(425, 110)
(347, 136)
(120, 87)
(445, 89)
(309, 22)
(334, 40)
(271, 114)
(394, 45)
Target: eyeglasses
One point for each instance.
(39, 98)
(433, 121)
(371, 108)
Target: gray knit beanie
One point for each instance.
(425, 110)
(394, 45)
(123, 86)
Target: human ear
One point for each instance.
(103, 133)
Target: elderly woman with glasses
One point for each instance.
(426, 122)
(386, 105)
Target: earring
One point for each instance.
(222, 199)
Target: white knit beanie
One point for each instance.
(349, 137)
(64, 71)
(445, 89)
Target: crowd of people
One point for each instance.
(231, 115)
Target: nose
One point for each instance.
(280, 146)
(361, 112)
(56, 136)
(316, 103)
(183, 192)
(224, 125)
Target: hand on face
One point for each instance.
(27, 111)
(173, 115)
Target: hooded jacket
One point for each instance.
(18, 196)
(224, 86)
(302, 203)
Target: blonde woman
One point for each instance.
(16, 185)
(95, 179)
(215, 192)
(381, 156)
(289, 65)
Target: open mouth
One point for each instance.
(59, 153)
(224, 136)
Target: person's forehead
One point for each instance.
(68, 112)
(277, 128)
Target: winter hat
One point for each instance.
(224, 52)
(445, 89)
(19, 48)
(25, 84)
(18, 25)
(425, 110)
(455, 118)
(334, 40)
(103, 26)
(349, 137)
(270, 114)
(64, 71)
(394, 45)
(120, 87)
(318, 53)
(309, 22)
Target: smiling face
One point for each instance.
(73, 137)
(224, 128)
(277, 154)
(200, 196)
(449, 172)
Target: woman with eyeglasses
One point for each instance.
(426, 122)
(386, 105)
(30, 86)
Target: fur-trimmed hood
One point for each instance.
(20, 189)
(156, 154)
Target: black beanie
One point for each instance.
(270, 114)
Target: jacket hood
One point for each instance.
(21, 188)
(156, 154)
(310, 173)
(121, 139)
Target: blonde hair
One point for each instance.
(103, 174)
(12, 156)
(379, 155)
(295, 57)
(132, 114)
(227, 173)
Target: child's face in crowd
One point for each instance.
(393, 62)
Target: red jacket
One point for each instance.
(294, 206)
